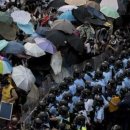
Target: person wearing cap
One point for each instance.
(9, 94)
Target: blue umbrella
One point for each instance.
(14, 47)
(67, 16)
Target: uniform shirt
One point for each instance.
(59, 97)
(71, 107)
(79, 82)
(119, 87)
(89, 76)
(99, 82)
(125, 62)
(75, 99)
(99, 114)
(107, 76)
(120, 71)
(72, 89)
(89, 105)
(127, 82)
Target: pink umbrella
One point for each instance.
(46, 45)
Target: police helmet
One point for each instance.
(63, 110)
(88, 67)
(112, 60)
(98, 74)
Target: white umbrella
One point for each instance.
(56, 62)
(21, 17)
(23, 77)
(109, 3)
(33, 49)
(67, 8)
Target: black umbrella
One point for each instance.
(56, 4)
(76, 43)
(84, 14)
(42, 30)
(56, 37)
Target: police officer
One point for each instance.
(89, 73)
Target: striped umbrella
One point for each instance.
(5, 66)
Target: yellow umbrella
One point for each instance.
(76, 2)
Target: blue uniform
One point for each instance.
(75, 99)
(107, 76)
(119, 87)
(71, 107)
(127, 82)
(79, 82)
(89, 76)
(99, 82)
(117, 74)
(125, 62)
(53, 110)
(72, 89)
(59, 97)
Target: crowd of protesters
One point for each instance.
(94, 98)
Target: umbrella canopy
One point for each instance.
(56, 62)
(76, 43)
(57, 38)
(5, 66)
(110, 3)
(67, 16)
(56, 4)
(45, 45)
(63, 25)
(5, 18)
(109, 12)
(93, 4)
(27, 28)
(14, 47)
(21, 17)
(8, 31)
(3, 44)
(23, 78)
(67, 8)
(32, 49)
(41, 30)
(89, 14)
(76, 2)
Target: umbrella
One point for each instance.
(56, 4)
(67, 8)
(45, 45)
(109, 12)
(5, 18)
(76, 2)
(75, 42)
(110, 3)
(23, 78)
(14, 47)
(63, 25)
(32, 49)
(41, 30)
(8, 31)
(57, 38)
(21, 17)
(67, 16)
(93, 4)
(56, 62)
(3, 44)
(27, 28)
(96, 13)
(5, 66)
(89, 14)
(33, 95)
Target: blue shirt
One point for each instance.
(72, 89)
(75, 99)
(127, 82)
(87, 77)
(117, 74)
(100, 82)
(125, 62)
(107, 76)
(79, 82)
(119, 87)
(59, 97)
(71, 107)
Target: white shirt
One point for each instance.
(88, 47)
(89, 105)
